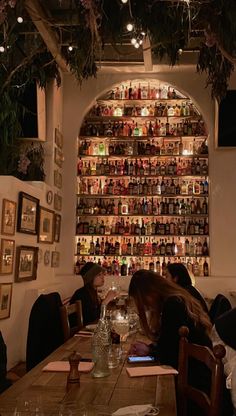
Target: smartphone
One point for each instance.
(136, 359)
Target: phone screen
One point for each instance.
(136, 359)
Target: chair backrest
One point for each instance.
(45, 332)
(71, 326)
(220, 305)
(209, 404)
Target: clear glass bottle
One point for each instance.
(101, 343)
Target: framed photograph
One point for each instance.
(28, 209)
(55, 260)
(5, 300)
(46, 225)
(58, 138)
(8, 217)
(7, 256)
(26, 263)
(58, 157)
(57, 227)
(46, 258)
(57, 179)
(57, 202)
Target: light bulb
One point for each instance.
(133, 41)
(70, 48)
(140, 41)
(130, 27)
(180, 51)
(2, 49)
(136, 45)
(124, 1)
(20, 19)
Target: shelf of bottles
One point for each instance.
(142, 197)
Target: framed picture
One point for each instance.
(57, 227)
(46, 225)
(57, 202)
(46, 258)
(58, 157)
(26, 263)
(27, 220)
(57, 179)
(58, 138)
(7, 256)
(5, 300)
(8, 217)
(55, 260)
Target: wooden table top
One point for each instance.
(106, 394)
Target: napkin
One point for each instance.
(155, 370)
(83, 334)
(133, 410)
(84, 367)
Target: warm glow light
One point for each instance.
(20, 19)
(124, 1)
(70, 48)
(2, 49)
(129, 27)
(133, 41)
(136, 45)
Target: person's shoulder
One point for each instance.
(77, 294)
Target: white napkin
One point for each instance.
(57, 366)
(133, 410)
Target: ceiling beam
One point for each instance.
(147, 54)
(39, 19)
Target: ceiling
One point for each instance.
(56, 21)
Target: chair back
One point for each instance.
(4, 382)
(45, 332)
(210, 405)
(71, 311)
(220, 305)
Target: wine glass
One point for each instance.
(120, 324)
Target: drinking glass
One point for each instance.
(120, 324)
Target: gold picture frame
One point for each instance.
(8, 217)
(28, 209)
(5, 300)
(46, 225)
(7, 256)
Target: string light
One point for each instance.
(70, 48)
(124, 1)
(20, 19)
(2, 49)
(130, 27)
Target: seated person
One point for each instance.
(93, 277)
(178, 273)
(223, 332)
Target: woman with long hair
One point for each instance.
(178, 273)
(170, 307)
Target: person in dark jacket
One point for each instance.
(4, 382)
(178, 273)
(93, 277)
(173, 307)
(45, 332)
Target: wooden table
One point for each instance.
(109, 393)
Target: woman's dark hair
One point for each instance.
(148, 289)
(179, 271)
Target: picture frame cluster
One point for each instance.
(27, 217)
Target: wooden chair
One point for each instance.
(71, 313)
(210, 405)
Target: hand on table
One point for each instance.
(139, 348)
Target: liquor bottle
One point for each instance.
(101, 343)
(205, 269)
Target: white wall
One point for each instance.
(66, 109)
